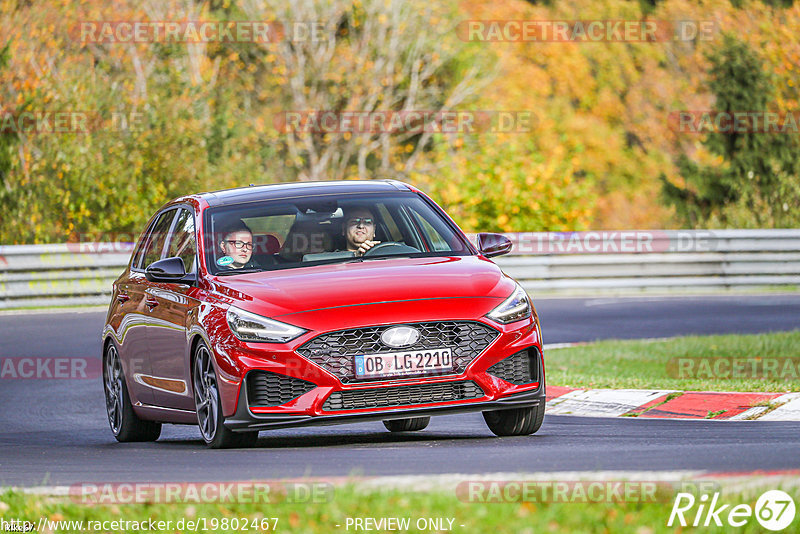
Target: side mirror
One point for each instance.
(492, 245)
(168, 270)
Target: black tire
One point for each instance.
(515, 422)
(407, 425)
(125, 424)
(209, 408)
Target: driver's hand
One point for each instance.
(365, 246)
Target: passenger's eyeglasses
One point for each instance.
(240, 244)
(357, 221)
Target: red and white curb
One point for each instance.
(672, 404)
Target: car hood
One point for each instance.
(304, 289)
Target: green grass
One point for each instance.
(654, 364)
(515, 517)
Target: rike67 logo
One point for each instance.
(774, 510)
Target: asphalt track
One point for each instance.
(55, 432)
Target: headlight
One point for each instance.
(514, 308)
(252, 327)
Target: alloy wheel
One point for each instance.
(112, 378)
(205, 394)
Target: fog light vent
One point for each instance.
(520, 368)
(271, 389)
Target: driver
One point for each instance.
(359, 230)
(237, 247)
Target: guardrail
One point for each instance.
(560, 262)
(654, 261)
(59, 275)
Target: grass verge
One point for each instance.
(348, 502)
(760, 362)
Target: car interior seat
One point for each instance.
(307, 237)
(265, 246)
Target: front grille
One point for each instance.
(520, 368)
(334, 351)
(270, 389)
(402, 395)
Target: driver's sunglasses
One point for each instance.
(240, 244)
(367, 221)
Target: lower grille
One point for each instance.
(402, 395)
(271, 389)
(520, 368)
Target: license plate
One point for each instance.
(414, 362)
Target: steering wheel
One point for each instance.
(396, 248)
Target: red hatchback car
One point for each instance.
(312, 304)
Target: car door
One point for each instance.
(167, 336)
(132, 295)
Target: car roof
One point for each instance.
(256, 193)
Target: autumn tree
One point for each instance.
(207, 112)
(370, 56)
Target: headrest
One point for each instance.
(265, 244)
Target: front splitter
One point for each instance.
(244, 420)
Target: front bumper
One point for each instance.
(323, 397)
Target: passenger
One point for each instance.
(359, 230)
(237, 247)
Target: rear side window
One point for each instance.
(154, 243)
(182, 244)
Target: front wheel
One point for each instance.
(125, 424)
(411, 424)
(515, 422)
(209, 408)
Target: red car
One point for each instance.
(312, 304)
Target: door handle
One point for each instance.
(122, 298)
(151, 303)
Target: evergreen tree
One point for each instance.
(757, 183)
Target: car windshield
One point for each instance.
(299, 232)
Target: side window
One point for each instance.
(433, 236)
(394, 232)
(137, 258)
(155, 241)
(182, 243)
(276, 225)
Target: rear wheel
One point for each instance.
(515, 422)
(407, 425)
(209, 408)
(125, 424)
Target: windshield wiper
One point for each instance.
(386, 257)
(359, 259)
(240, 271)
